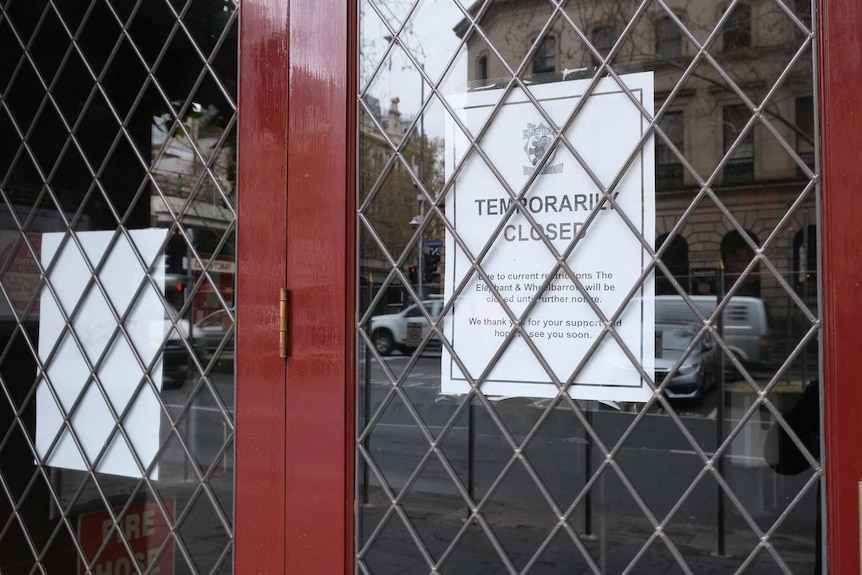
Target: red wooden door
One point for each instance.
(295, 446)
(294, 488)
(261, 501)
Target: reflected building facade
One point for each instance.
(734, 123)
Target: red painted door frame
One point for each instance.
(260, 504)
(294, 503)
(840, 114)
(294, 418)
(320, 276)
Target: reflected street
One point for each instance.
(564, 459)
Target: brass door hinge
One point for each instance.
(282, 323)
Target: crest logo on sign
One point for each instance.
(537, 139)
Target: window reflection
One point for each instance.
(483, 68)
(737, 28)
(603, 38)
(736, 228)
(669, 169)
(740, 166)
(115, 125)
(668, 41)
(545, 56)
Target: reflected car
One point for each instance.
(209, 333)
(205, 337)
(404, 330)
(697, 373)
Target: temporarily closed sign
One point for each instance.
(143, 527)
(527, 194)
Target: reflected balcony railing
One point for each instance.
(739, 171)
(668, 176)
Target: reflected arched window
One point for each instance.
(736, 254)
(668, 39)
(805, 131)
(740, 166)
(669, 171)
(603, 39)
(803, 10)
(482, 68)
(675, 258)
(737, 28)
(545, 56)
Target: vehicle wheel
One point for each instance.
(703, 387)
(383, 342)
(169, 383)
(731, 374)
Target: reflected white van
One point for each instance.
(746, 329)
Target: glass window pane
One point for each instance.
(117, 227)
(615, 355)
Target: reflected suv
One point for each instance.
(697, 373)
(403, 330)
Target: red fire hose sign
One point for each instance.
(22, 272)
(145, 529)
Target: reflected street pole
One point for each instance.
(420, 271)
(415, 223)
(719, 415)
(471, 453)
(420, 173)
(803, 257)
(588, 469)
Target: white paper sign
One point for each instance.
(608, 259)
(119, 371)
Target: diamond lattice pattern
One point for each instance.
(118, 211)
(714, 464)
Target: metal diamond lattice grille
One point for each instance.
(713, 465)
(118, 212)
